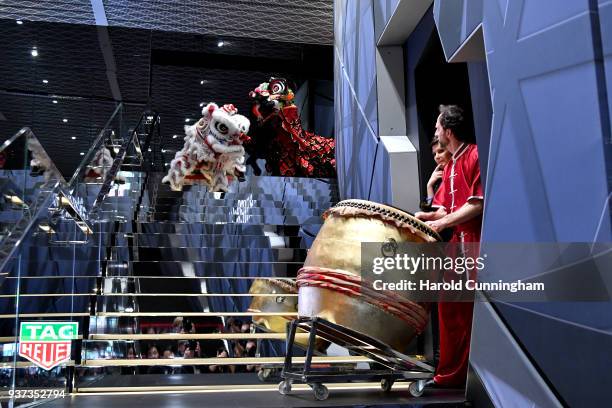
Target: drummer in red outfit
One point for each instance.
(459, 202)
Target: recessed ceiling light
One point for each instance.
(55, 101)
(45, 81)
(34, 52)
(202, 82)
(174, 136)
(64, 120)
(19, 22)
(187, 120)
(220, 43)
(163, 150)
(73, 137)
(82, 154)
(202, 105)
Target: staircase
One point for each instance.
(192, 256)
(158, 256)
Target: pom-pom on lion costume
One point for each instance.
(213, 152)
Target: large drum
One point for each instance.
(330, 283)
(281, 303)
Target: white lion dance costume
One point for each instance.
(40, 160)
(100, 165)
(213, 152)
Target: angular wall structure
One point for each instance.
(540, 83)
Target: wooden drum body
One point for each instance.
(330, 281)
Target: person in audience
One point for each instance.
(250, 350)
(177, 325)
(221, 353)
(234, 325)
(130, 355)
(153, 353)
(182, 345)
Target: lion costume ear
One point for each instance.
(230, 109)
(209, 109)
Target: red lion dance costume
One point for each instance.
(289, 150)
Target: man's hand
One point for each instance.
(430, 216)
(468, 211)
(438, 225)
(424, 216)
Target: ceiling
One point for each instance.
(295, 21)
(160, 69)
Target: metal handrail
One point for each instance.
(119, 158)
(49, 191)
(88, 157)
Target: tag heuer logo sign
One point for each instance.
(47, 344)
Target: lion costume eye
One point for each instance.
(221, 128)
(277, 87)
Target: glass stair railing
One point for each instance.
(49, 260)
(36, 202)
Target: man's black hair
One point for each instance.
(452, 117)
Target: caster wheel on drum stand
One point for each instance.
(386, 384)
(416, 388)
(320, 391)
(284, 387)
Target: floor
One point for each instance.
(270, 398)
(240, 390)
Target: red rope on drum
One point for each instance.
(352, 285)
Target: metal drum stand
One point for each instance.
(271, 372)
(398, 367)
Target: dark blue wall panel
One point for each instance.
(482, 111)
(605, 26)
(356, 116)
(358, 56)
